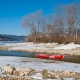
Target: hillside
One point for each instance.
(4, 37)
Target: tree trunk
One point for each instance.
(76, 34)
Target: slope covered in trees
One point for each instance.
(11, 38)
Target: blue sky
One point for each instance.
(12, 11)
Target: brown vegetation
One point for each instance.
(61, 27)
(54, 38)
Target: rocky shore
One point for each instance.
(38, 69)
(12, 73)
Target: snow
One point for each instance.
(31, 45)
(39, 64)
(45, 46)
(26, 46)
(67, 47)
(37, 78)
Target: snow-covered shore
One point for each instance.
(71, 48)
(41, 64)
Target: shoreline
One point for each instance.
(66, 69)
(41, 48)
(65, 52)
(38, 68)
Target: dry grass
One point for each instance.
(13, 78)
(25, 61)
(3, 48)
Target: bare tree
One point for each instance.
(38, 19)
(72, 13)
(49, 24)
(68, 16)
(33, 21)
(50, 28)
(44, 22)
(59, 23)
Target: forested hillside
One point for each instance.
(11, 38)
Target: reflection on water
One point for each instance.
(74, 59)
(69, 58)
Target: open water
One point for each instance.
(67, 58)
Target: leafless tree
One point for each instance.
(38, 20)
(68, 16)
(72, 13)
(50, 28)
(59, 23)
(44, 22)
(33, 21)
(49, 24)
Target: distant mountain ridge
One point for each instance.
(4, 37)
